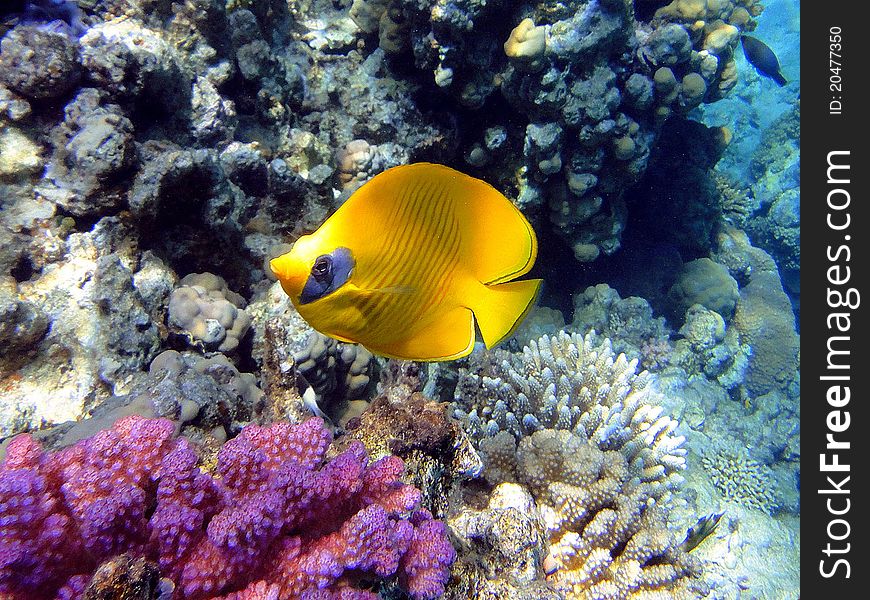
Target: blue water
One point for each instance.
(757, 101)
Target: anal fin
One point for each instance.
(449, 336)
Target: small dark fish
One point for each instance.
(701, 531)
(762, 58)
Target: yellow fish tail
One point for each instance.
(502, 307)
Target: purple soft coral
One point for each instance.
(279, 522)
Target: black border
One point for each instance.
(823, 132)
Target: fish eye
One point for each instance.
(322, 268)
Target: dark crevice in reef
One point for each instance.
(562, 278)
(23, 269)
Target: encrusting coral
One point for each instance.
(278, 519)
(741, 479)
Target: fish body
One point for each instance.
(762, 58)
(411, 262)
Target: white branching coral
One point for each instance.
(569, 382)
(583, 432)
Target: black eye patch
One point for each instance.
(328, 273)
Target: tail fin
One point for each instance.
(502, 307)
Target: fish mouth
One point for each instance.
(281, 266)
(286, 269)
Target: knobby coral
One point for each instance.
(277, 520)
(606, 516)
(207, 313)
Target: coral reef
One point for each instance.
(571, 382)
(401, 427)
(101, 336)
(209, 315)
(22, 325)
(587, 88)
(741, 479)
(436, 451)
(708, 348)
(704, 282)
(605, 513)
(145, 140)
(339, 373)
(280, 515)
(775, 226)
(94, 150)
(39, 64)
(207, 399)
(502, 548)
(628, 323)
(585, 435)
(540, 320)
(763, 314)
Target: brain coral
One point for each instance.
(278, 520)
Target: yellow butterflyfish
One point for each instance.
(411, 261)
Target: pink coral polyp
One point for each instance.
(279, 521)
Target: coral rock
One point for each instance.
(39, 64)
(526, 45)
(704, 282)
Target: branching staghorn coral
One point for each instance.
(568, 382)
(583, 432)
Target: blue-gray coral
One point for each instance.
(22, 326)
(39, 64)
(629, 323)
(94, 151)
